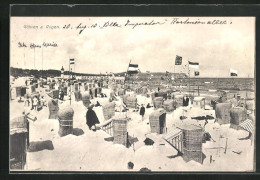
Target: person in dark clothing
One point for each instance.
(91, 93)
(61, 95)
(26, 82)
(175, 104)
(91, 117)
(96, 92)
(213, 104)
(185, 101)
(142, 112)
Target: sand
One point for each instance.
(90, 152)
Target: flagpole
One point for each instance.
(174, 70)
(34, 57)
(189, 76)
(42, 65)
(24, 61)
(126, 72)
(70, 81)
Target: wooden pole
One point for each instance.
(226, 146)
(127, 144)
(174, 70)
(24, 61)
(133, 143)
(70, 82)
(189, 77)
(126, 76)
(34, 57)
(42, 59)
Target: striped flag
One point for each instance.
(194, 65)
(233, 72)
(133, 69)
(178, 60)
(247, 125)
(72, 61)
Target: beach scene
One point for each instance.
(132, 94)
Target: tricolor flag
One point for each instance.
(178, 60)
(233, 72)
(133, 69)
(196, 73)
(194, 65)
(72, 61)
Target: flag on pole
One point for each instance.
(196, 73)
(194, 65)
(233, 72)
(133, 69)
(72, 61)
(178, 60)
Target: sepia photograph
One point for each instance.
(132, 94)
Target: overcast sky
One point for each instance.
(217, 48)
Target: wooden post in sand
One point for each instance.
(226, 146)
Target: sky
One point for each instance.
(216, 48)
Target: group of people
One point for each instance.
(35, 102)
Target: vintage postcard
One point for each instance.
(132, 94)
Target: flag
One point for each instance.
(178, 60)
(194, 65)
(233, 72)
(247, 125)
(72, 61)
(196, 73)
(133, 69)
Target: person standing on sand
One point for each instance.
(61, 95)
(35, 103)
(142, 112)
(185, 100)
(91, 117)
(43, 102)
(27, 102)
(95, 92)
